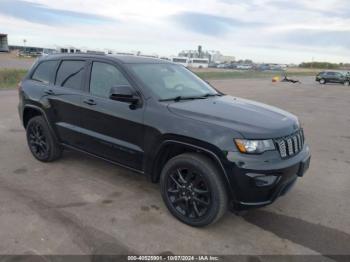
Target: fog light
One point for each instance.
(261, 180)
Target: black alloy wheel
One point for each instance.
(41, 141)
(38, 141)
(193, 189)
(189, 192)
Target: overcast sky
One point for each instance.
(280, 31)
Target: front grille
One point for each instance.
(290, 145)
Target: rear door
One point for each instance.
(65, 100)
(331, 77)
(112, 129)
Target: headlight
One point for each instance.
(254, 146)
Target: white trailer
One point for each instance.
(181, 60)
(199, 63)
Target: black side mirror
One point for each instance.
(123, 93)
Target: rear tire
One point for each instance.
(41, 141)
(193, 189)
(346, 83)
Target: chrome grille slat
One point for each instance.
(290, 145)
(299, 141)
(282, 148)
(295, 143)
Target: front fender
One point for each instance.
(195, 146)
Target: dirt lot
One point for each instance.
(81, 205)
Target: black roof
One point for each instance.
(124, 59)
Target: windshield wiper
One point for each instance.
(179, 98)
(210, 94)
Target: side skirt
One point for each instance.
(102, 158)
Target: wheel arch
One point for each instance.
(171, 148)
(30, 111)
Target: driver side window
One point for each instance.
(103, 77)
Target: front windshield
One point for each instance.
(168, 81)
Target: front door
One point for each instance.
(111, 129)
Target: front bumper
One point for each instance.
(258, 180)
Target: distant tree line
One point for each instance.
(324, 65)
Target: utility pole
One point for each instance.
(24, 43)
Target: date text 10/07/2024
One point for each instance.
(173, 258)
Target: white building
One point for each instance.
(3, 43)
(68, 49)
(217, 57)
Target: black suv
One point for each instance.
(333, 77)
(209, 151)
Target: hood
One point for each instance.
(251, 119)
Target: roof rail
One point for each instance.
(81, 53)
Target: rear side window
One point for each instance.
(44, 71)
(70, 74)
(104, 77)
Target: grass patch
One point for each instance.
(251, 74)
(9, 78)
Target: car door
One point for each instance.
(112, 129)
(331, 77)
(339, 78)
(65, 100)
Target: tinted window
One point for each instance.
(70, 74)
(44, 72)
(331, 73)
(103, 77)
(170, 80)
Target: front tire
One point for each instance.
(41, 141)
(346, 83)
(322, 81)
(193, 190)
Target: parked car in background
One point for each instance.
(263, 67)
(244, 67)
(227, 66)
(333, 77)
(223, 66)
(213, 65)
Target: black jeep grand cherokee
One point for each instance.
(208, 150)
